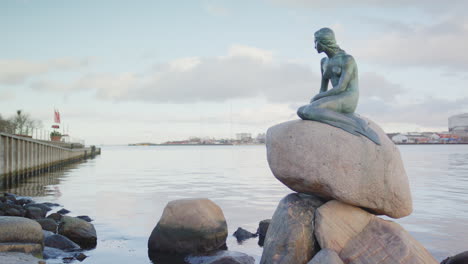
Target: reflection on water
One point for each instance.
(44, 184)
(126, 189)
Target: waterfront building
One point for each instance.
(244, 136)
(458, 125)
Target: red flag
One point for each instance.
(57, 116)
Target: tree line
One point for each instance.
(19, 124)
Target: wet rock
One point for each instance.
(20, 230)
(461, 258)
(61, 242)
(19, 258)
(80, 256)
(222, 257)
(55, 253)
(35, 213)
(242, 234)
(47, 233)
(44, 207)
(290, 236)
(24, 201)
(326, 256)
(63, 211)
(360, 237)
(79, 231)
(189, 226)
(28, 248)
(48, 224)
(85, 217)
(262, 231)
(51, 204)
(14, 212)
(56, 217)
(316, 158)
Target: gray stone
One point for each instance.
(242, 234)
(19, 258)
(20, 230)
(262, 231)
(61, 242)
(48, 224)
(290, 236)
(315, 158)
(79, 231)
(362, 238)
(35, 213)
(326, 256)
(189, 226)
(55, 216)
(34, 249)
(55, 253)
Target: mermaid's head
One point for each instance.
(325, 40)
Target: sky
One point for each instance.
(123, 72)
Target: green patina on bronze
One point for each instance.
(336, 106)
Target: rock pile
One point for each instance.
(342, 181)
(26, 228)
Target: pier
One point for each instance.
(21, 157)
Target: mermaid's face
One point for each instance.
(318, 46)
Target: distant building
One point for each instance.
(400, 138)
(261, 138)
(244, 136)
(458, 125)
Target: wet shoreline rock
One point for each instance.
(189, 226)
(290, 236)
(24, 227)
(241, 234)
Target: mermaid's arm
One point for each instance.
(324, 84)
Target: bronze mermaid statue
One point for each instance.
(336, 106)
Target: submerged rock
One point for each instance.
(189, 226)
(316, 158)
(290, 236)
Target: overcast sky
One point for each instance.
(149, 71)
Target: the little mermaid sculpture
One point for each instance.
(336, 106)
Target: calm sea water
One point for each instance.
(126, 189)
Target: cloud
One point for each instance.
(6, 95)
(244, 72)
(429, 5)
(437, 45)
(18, 71)
(216, 10)
(432, 112)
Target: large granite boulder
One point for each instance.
(290, 236)
(316, 158)
(360, 238)
(20, 234)
(189, 226)
(78, 231)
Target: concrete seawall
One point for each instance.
(22, 157)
